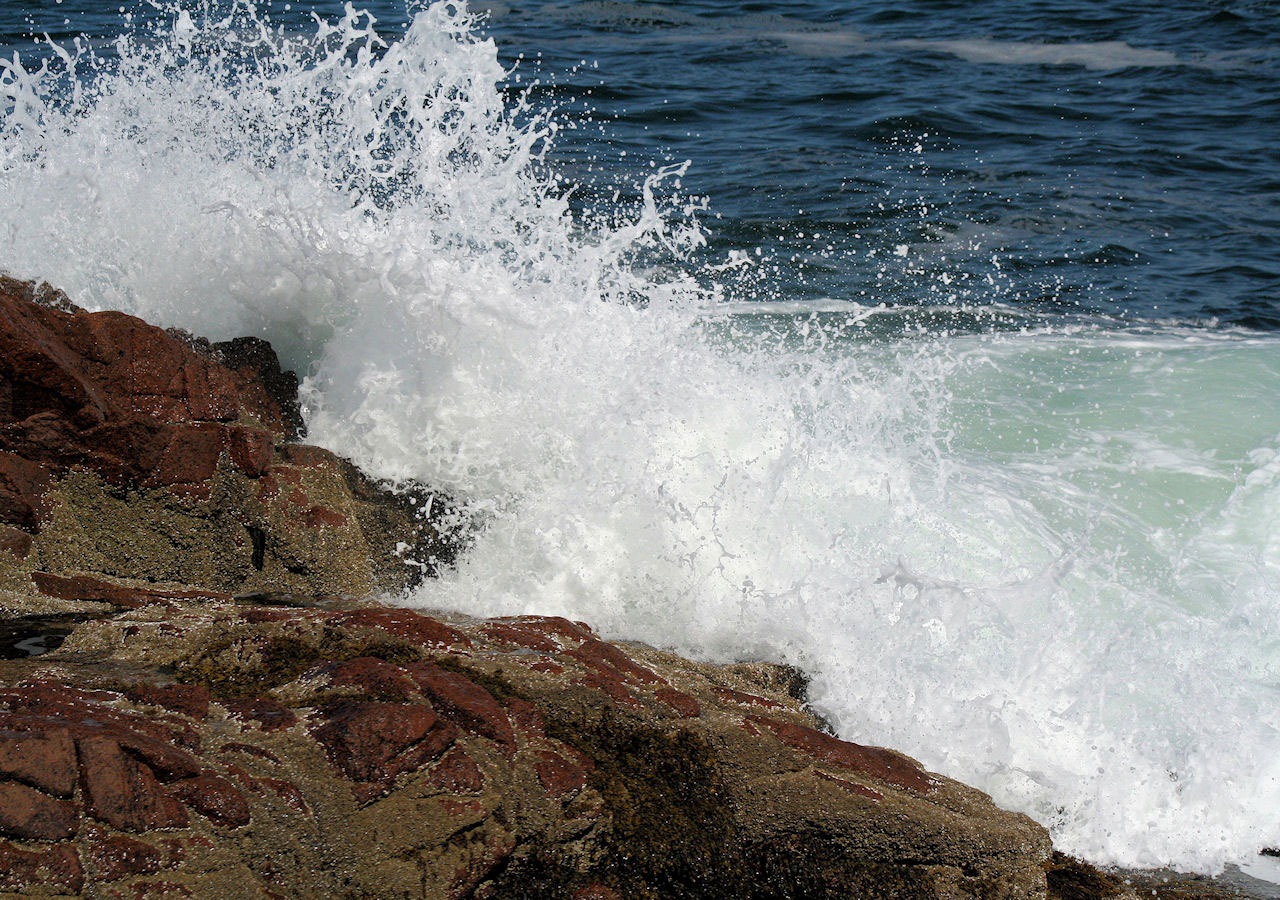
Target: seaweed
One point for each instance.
(671, 832)
(252, 665)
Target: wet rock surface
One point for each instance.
(365, 751)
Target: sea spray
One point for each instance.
(1043, 558)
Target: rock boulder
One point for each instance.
(135, 460)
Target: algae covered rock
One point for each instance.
(353, 750)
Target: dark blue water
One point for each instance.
(1065, 156)
(1120, 162)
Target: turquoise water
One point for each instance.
(931, 348)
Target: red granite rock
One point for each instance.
(106, 415)
(190, 455)
(214, 798)
(458, 773)
(374, 742)
(558, 775)
(441, 766)
(520, 634)
(251, 449)
(607, 682)
(746, 699)
(29, 814)
(611, 662)
(373, 678)
(261, 615)
(162, 740)
(876, 762)
(189, 699)
(55, 868)
(123, 792)
(286, 791)
(94, 359)
(525, 717)
(463, 702)
(404, 623)
(111, 857)
(22, 484)
(514, 757)
(685, 704)
(320, 517)
(558, 626)
(162, 754)
(45, 759)
(125, 399)
(84, 587)
(852, 787)
(14, 542)
(265, 713)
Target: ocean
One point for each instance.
(932, 347)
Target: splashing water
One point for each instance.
(1045, 561)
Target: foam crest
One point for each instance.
(1044, 561)
(1027, 590)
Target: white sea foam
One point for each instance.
(808, 40)
(1043, 561)
(1097, 55)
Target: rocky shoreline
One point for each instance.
(200, 697)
